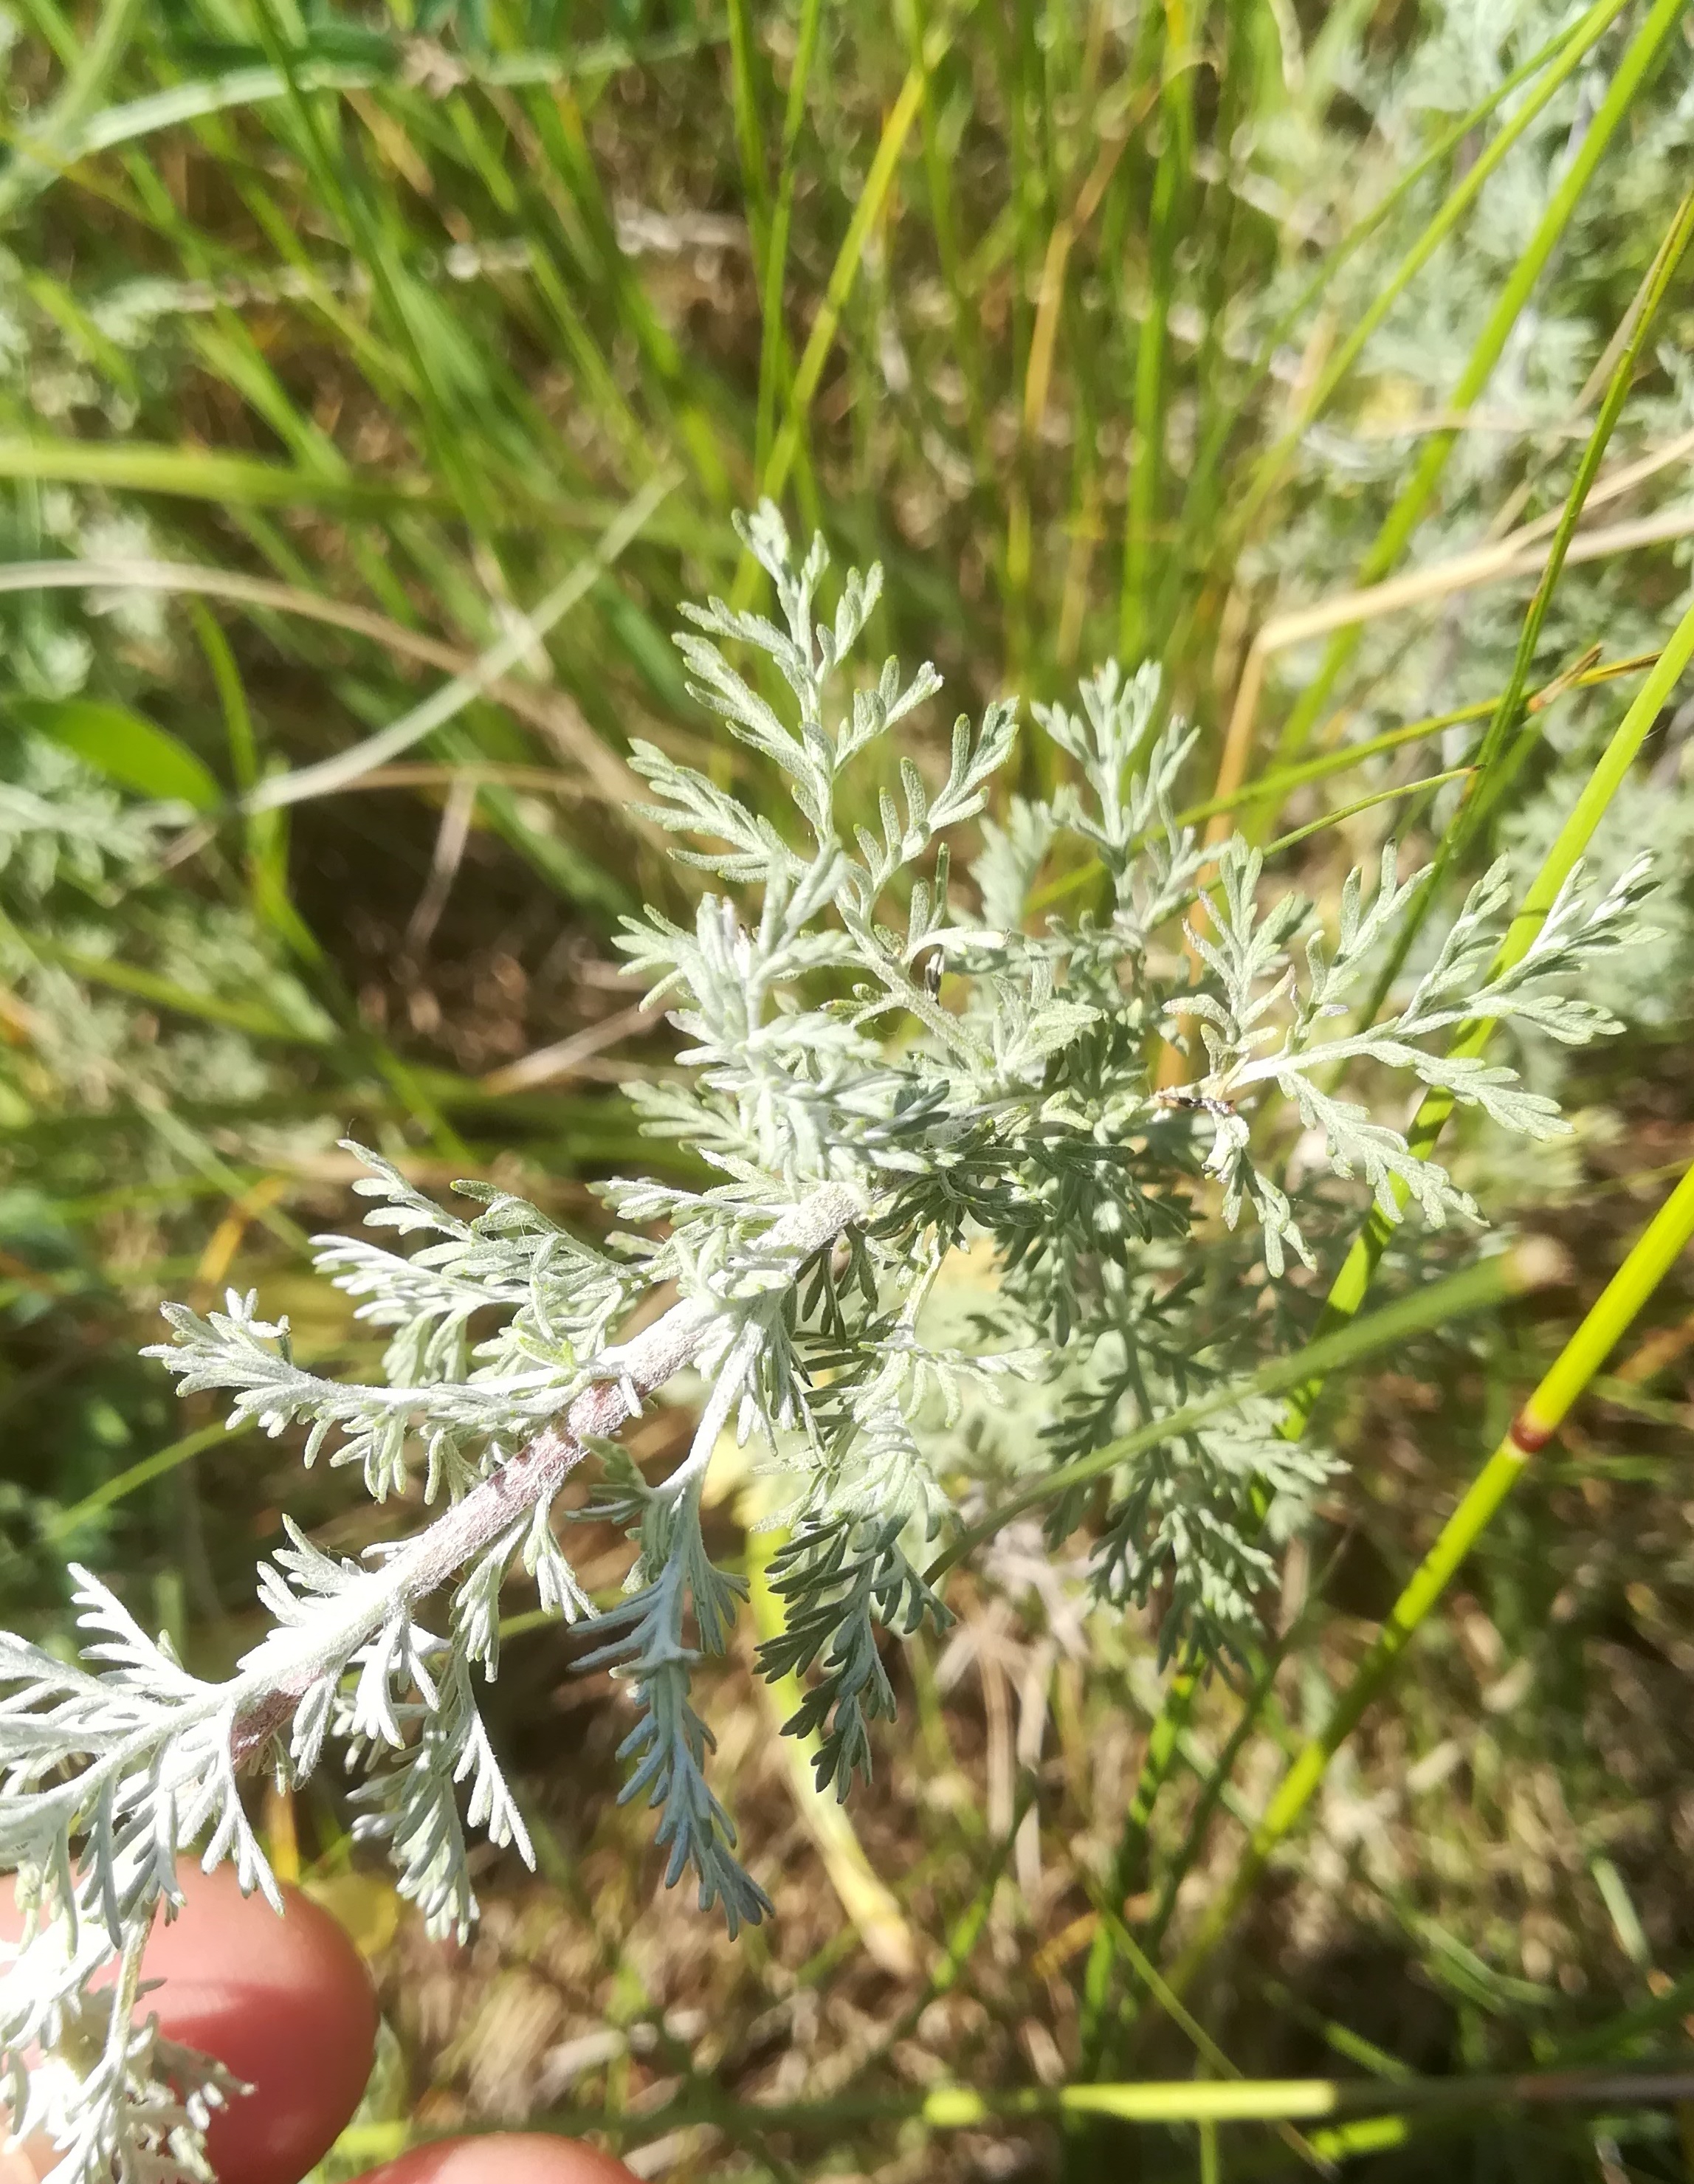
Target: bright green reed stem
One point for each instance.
(1491, 763)
(1272, 466)
(1348, 1291)
(1620, 1301)
(1480, 1287)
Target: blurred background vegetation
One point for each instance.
(373, 385)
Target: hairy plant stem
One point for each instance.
(276, 1675)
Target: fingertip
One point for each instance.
(284, 2003)
(507, 2157)
(22, 2164)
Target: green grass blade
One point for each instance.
(1366, 803)
(750, 133)
(1199, 503)
(1618, 1305)
(774, 361)
(105, 1496)
(1170, 193)
(261, 85)
(197, 474)
(1475, 1289)
(36, 163)
(1575, 46)
(125, 746)
(332, 775)
(163, 993)
(1467, 820)
(1414, 497)
(1195, 2033)
(844, 273)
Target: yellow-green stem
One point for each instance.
(1487, 769)
(1408, 510)
(1476, 1287)
(1347, 1291)
(1269, 469)
(1619, 1304)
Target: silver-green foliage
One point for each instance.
(1338, 160)
(887, 1068)
(84, 885)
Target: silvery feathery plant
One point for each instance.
(887, 1067)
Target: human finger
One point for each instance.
(285, 2004)
(507, 2157)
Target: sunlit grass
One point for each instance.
(415, 387)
